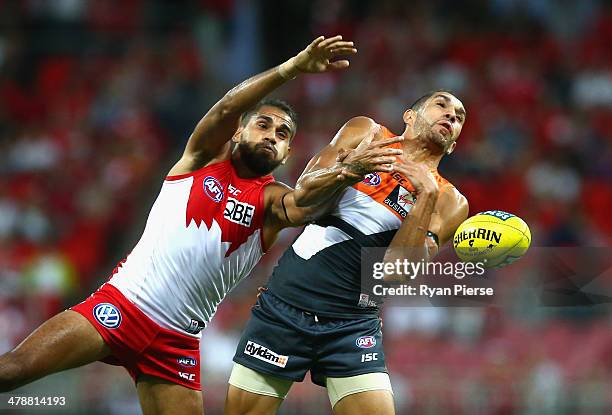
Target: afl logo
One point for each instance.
(213, 189)
(108, 315)
(366, 342)
(372, 179)
(187, 361)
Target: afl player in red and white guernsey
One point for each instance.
(216, 214)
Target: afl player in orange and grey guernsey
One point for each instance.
(216, 214)
(313, 316)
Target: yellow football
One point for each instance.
(493, 237)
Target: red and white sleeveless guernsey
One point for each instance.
(203, 235)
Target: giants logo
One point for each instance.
(239, 212)
(372, 179)
(263, 353)
(213, 189)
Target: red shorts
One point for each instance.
(138, 343)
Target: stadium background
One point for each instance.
(97, 99)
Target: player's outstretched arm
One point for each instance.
(437, 213)
(357, 149)
(219, 124)
(333, 169)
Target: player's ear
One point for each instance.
(286, 155)
(409, 116)
(237, 134)
(451, 148)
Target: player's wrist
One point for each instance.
(348, 173)
(288, 70)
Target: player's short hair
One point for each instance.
(420, 103)
(271, 102)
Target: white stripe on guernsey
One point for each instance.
(177, 273)
(364, 213)
(315, 238)
(355, 208)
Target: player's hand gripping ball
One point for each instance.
(493, 237)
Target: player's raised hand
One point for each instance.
(371, 155)
(419, 175)
(319, 57)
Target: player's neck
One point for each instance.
(419, 151)
(241, 169)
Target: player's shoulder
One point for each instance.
(356, 129)
(369, 124)
(361, 121)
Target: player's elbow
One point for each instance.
(11, 372)
(226, 107)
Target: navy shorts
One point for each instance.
(286, 342)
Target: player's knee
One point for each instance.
(12, 372)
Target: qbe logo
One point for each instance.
(239, 212)
(213, 189)
(263, 353)
(372, 179)
(365, 342)
(108, 315)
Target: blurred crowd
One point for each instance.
(97, 99)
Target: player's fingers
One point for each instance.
(317, 41)
(340, 45)
(384, 160)
(339, 64)
(399, 167)
(387, 152)
(343, 51)
(325, 43)
(388, 141)
(342, 153)
(385, 168)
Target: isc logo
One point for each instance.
(369, 357)
(187, 376)
(238, 212)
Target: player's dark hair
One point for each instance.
(419, 103)
(271, 102)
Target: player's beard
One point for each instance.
(423, 129)
(256, 159)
